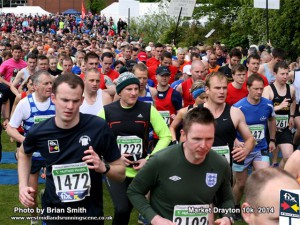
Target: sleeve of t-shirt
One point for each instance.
(161, 129)
(2, 69)
(109, 148)
(22, 112)
(177, 100)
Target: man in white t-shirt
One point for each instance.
(31, 110)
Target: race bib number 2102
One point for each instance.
(191, 214)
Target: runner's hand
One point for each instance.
(139, 164)
(158, 220)
(272, 146)
(239, 144)
(93, 160)
(126, 160)
(284, 103)
(223, 221)
(239, 154)
(26, 196)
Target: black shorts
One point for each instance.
(37, 165)
(284, 136)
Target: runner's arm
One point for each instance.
(25, 192)
(177, 120)
(161, 129)
(242, 128)
(272, 130)
(292, 108)
(110, 87)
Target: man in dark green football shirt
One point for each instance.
(184, 180)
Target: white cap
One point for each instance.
(148, 49)
(254, 46)
(187, 69)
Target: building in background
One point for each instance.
(52, 6)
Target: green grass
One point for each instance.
(9, 198)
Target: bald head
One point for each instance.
(198, 70)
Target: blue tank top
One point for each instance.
(148, 97)
(268, 74)
(257, 120)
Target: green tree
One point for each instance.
(96, 5)
(284, 26)
(236, 23)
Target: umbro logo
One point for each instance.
(140, 116)
(175, 178)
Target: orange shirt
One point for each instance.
(184, 64)
(210, 70)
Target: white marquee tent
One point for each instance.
(25, 10)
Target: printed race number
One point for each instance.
(191, 214)
(281, 121)
(223, 151)
(193, 221)
(72, 181)
(166, 116)
(132, 145)
(258, 131)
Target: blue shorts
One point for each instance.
(260, 156)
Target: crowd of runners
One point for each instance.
(175, 130)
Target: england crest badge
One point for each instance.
(211, 179)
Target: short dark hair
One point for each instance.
(167, 55)
(31, 56)
(254, 77)
(253, 56)
(200, 115)
(107, 55)
(238, 67)
(282, 65)
(278, 53)
(42, 57)
(117, 62)
(91, 55)
(16, 47)
(235, 53)
(195, 54)
(158, 45)
(72, 80)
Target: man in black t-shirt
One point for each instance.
(73, 145)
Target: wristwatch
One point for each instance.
(107, 166)
(174, 142)
(231, 219)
